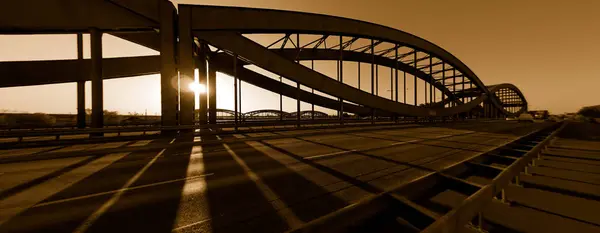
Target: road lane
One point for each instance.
(230, 199)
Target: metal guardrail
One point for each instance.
(472, 206)
(456, 218)
(183, 144)
(218, 127)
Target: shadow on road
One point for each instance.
(581, 131)
(68, 216)
(256, 188)
(245, 189)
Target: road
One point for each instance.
(262, 185)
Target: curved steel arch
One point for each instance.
(498, 91)
(227, 111)
(261, 111)
(250, 20)
(333, 54)
(309, 113)
(513, 91)
(223, 63)
(225, 33)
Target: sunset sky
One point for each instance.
(548, 49)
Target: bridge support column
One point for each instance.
(202, 73)
(496, 113)
(212, 95)
(186, 67)
(96, 77)
(80, 87)
(235, 93)
(81, 104)
(168, 69)
(486, 108)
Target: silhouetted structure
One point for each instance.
(450, 88)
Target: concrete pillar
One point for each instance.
(202, 77)
(168, 69)
(235, 92)
(96, 76)
(80, 86)
(81, 104)
(496, 113)
(212, 98)
(186, 67)
(485, 109)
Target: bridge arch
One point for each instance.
(226, 35)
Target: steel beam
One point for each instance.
(212, 91)
(298, 116)
(396, 71)
(80, 87)
(96, 77)
(431, 96)
(235, 91)
(186, 68)
(81, 105)
(341, 78)
(201, 54)
(415, 81)
(150, 39)
(430, 65)
(27, 73)
(168, 67)
(312, 90)
(372, 78)
(440, 71)
(60, 16)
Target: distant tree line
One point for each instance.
(42, 120)
(590, 111)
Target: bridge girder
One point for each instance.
(144, 18)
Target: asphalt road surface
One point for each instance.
(269, 185)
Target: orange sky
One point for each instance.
(546, 48)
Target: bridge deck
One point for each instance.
(561, 193)
(256, 185)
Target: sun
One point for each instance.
(197, 88)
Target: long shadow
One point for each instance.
(233, 197)
(581, 131)
(408, 164)
(406, 143)
(305, 199)
(404, 210)
(336, 173)
(41, 179)
(152, 209)
(422, 139)
(67, 216)
(492, 127)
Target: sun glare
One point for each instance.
(197, 88)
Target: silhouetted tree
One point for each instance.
(590, 111)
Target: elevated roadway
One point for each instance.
(256, 185)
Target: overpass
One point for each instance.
(413, 171)
(195, 35)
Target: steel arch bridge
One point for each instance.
(265, 114)
(460, 89)
(309, 114)
(424, 79)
